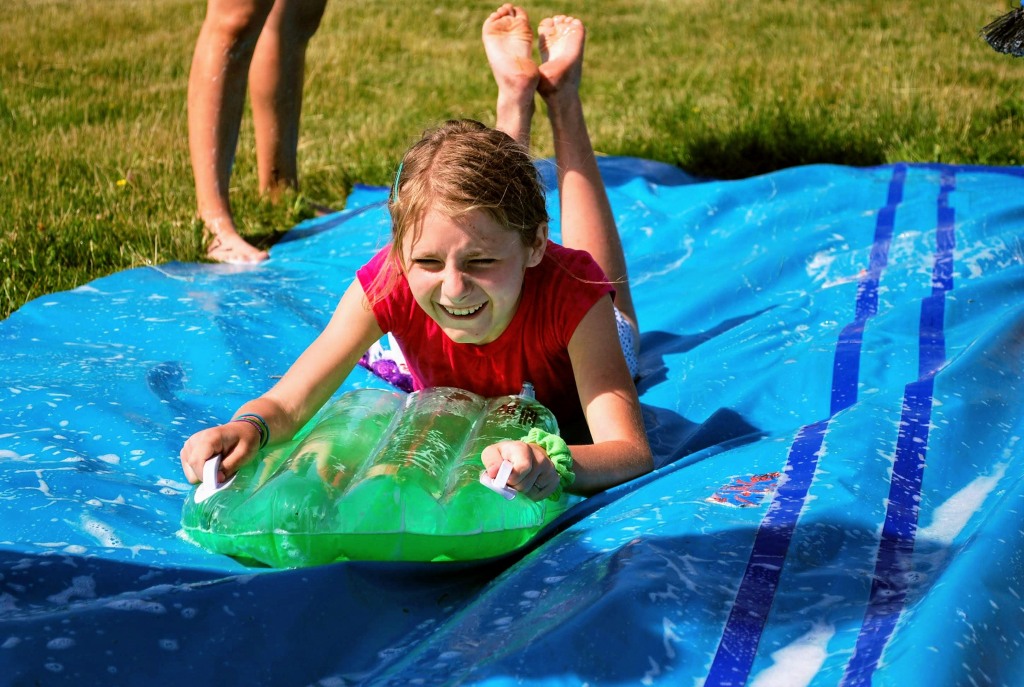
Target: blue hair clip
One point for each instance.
(394, 187)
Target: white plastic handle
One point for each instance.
(498, 484)
(210, 484)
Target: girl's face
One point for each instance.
(467, 273)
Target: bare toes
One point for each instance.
(234, 249)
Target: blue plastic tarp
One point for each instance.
(831, 375)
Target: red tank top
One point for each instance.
(557, 293)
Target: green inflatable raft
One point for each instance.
(379, 475)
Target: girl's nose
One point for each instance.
(455, 286)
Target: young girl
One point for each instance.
(475, 293)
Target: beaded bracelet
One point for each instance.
(259, 423)
(558, 453)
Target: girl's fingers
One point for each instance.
(235, 446)
(533, 474)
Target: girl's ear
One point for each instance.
(540, 244)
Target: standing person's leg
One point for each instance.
(276, 78)
(216, 99)
(587, 220)
(508, 42)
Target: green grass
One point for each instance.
(94, 169)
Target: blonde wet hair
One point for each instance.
(456, 168)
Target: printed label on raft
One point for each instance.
(523, 415)
(744, 492)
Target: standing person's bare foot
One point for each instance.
(561, 40)
(508, 42)
(226, 245)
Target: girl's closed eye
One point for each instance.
(428, 263)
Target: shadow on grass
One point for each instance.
(762, 144)
(762, 147)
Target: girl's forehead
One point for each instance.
(468, 231)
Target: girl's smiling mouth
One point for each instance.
(462, 312)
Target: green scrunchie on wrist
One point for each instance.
(558, 452)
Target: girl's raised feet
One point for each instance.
(561, 40)
(225, 245)
(508, 42)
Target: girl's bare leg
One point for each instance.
(275, 87)
(587, 220)
(216, 97)
(508, 42)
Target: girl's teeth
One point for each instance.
(460, 312)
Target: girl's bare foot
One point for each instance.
(227, 246)
(561, 40)
(508, 42)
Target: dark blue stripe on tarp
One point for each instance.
(895, 551)
(756, 593)
(846, 368)
(754, 598)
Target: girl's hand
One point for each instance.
(237, 442)
(533, 473)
